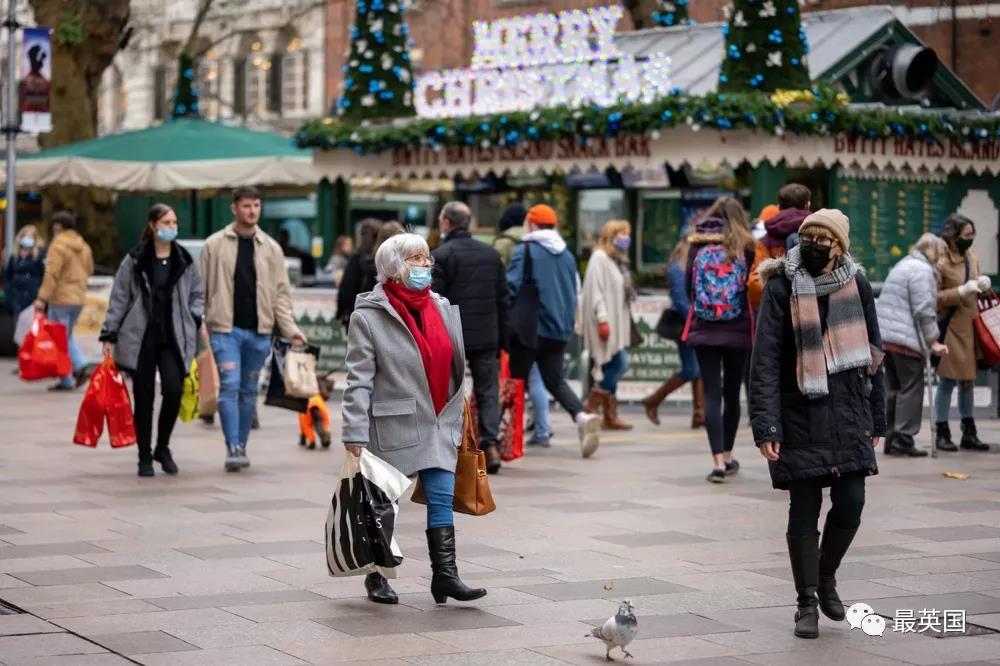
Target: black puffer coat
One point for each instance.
(822, 438)
(471, 275)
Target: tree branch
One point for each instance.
(302, 11)
(199, 19)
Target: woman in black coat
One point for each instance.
(359, 266)
(817, 402)
(22, 275)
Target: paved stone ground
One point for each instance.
(210, 568)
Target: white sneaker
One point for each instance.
(589, 428)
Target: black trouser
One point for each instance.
(722, 377)
(485, 371)
(904, 403)
(847, 496)
(549, 357)
(165, 358)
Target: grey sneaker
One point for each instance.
(233, 458)
(589, 428)
(241, 456)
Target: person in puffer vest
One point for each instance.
(817, 402)
(720, 322)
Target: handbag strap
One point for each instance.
(528, 274)
(468, 442)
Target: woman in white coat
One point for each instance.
(605, 317)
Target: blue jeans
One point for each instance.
(942, 399)
(240, 355)
(613, 371)
(67, 316)
(689, 363)
(539, 403)
(439, 489)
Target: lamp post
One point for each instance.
(10, 128)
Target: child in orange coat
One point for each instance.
(316, 419)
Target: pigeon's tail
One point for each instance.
(596, 633)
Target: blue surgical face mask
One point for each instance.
(166, 234)
(622, 243)
(419, 278)
(27, 242)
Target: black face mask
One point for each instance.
(963, 244)
(814, 257)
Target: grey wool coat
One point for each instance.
(387, 404)
(130, 305)
(907, 306)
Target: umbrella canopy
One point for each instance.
(183, 154)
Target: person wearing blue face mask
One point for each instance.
(606, 319)
(22, 276)
(154, 316)
(404, 400)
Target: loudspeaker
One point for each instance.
(902, 73)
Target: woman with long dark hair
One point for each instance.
(720, 322)
(154, 315)
(354, 273)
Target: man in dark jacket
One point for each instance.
(471, 275)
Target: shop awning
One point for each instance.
(184, 154)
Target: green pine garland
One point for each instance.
(766, 47)
(186, 94)
(825, 115)
(378, 78)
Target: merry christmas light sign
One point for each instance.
(544, 60)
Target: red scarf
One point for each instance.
(431, 337)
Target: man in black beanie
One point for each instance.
(511, 230)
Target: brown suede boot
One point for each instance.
(653, 402)
(611, 420)
(697, 404)
(597, 399)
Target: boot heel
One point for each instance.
(440, 598)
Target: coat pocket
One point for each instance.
(395, 424)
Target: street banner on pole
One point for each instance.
(35, 87)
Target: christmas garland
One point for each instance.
(823, 113)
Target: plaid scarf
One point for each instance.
(845, 344)
(623, 265)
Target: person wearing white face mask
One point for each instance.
(154, 315)
(22, 276)
(606, 320)
(404, 400)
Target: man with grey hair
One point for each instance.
(470, 274)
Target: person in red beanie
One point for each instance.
(794, 201)
(543, 283)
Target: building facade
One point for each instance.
(261, 64)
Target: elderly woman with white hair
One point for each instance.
(907, 316)
(404, 399)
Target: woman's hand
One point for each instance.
(108, 348)
(356, 450)
(603, 331)
(770, 450)
(939, 349)
(875, 441)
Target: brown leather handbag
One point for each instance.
(472, 486)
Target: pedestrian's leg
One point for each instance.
(909, 405)
(439, 489)
(226, 349)
(805, 499)
(970, 434)
(254, 352)
(521, 359)
(67, 316)
(710, 363)
(893, 388)
(485, 371)
(942, 408)
(847, 499)
(540, 406)
(612, 372)
(78, 358)
(550, 365)
(171, 384)
(733, 376)
(144, 393)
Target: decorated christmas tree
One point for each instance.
(378, 80)
(671, 12)
(186, 95)
(766, 47)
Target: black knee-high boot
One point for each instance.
(445, 582)
(833, 547)
(803, 552)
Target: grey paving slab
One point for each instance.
(31, 596)
(102, 659)
(89, 608)
(39, 550)
(966, 506)
(259, 655)
(253, 550)
(520, 657)
(14, 625)
(142, 642)
(646, 651)
(847, 571)
(419, 623)
(88, 575)
(954, 533)
(221, 600)
(600, 507)
(253, 505)
(971, 602)
(44, 645)
(607, 589)
(670, 626)
(641, 539)
(46, 507)
(992, 557)
(6, 529)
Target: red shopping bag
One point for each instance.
(511, 413)
(988, 329)
(44, 353)
(90, 420)
(121, 424)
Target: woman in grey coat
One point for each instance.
(154, 315)
(404, 399)
(907, 316)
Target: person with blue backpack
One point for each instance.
(720, 323)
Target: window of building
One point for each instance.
(208, 88)
(257, 69)
(295, 80)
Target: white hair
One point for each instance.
(390, 260)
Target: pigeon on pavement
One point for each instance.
(619, 630)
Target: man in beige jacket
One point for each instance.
(68, 264)
(246, 295)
